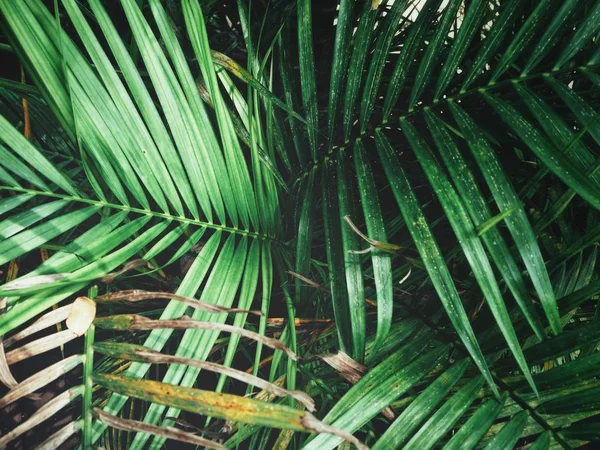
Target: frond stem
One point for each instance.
(311, 165)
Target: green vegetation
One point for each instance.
(275, 224)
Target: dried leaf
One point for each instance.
(81, 316)
(40, 379)
(44, 254)
(6, 376)
(47, 320)
(308, 281)
(42, 414)
(136, 296)
(225, 429)
(57, 439)
(39, 346)
(298, 322)
(27, 282)
(13, 271)
(126, 268)
(315, 425)
(351, 371)
(26, 118)
(346, 366)
(168, 432)
(137, 322)
(373, 242)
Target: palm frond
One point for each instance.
(427, 170)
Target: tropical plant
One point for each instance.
(406, 191)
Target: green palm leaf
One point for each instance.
(426, 170)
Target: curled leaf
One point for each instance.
(377, 244)
(126, 268)
(239, 72)
(81, 316)
(308, 281)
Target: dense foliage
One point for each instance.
(387, 209)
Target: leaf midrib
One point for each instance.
(159, 215)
